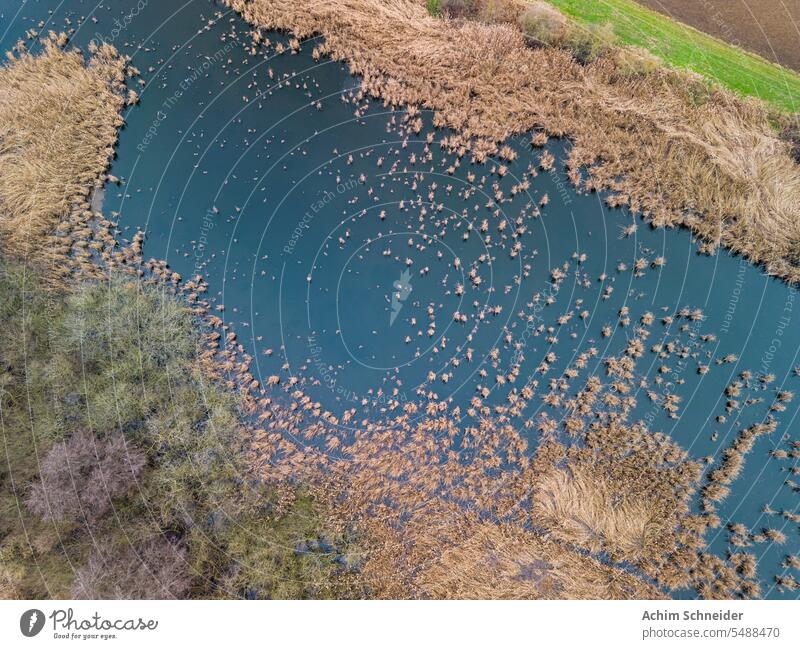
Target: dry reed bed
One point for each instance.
(447, 509)
(59, 116)
(662, 143)
(431, 523)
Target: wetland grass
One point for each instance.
(441, 506)
(665, 143)
(59, 116)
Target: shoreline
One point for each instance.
(378, 481)
(663, 144)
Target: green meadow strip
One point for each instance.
(683, 46)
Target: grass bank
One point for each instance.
(686, 47)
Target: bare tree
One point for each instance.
(82, 475)
(154, 569)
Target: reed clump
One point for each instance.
(59, 116)
(733, 461)
(543, 24)
(666, 143)
(504, 562)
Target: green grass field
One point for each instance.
(683, 46)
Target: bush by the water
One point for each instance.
(543, 24)
(154, 569)
(123, 474)
(482, 10)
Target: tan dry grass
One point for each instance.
(585, 509)
(504, 562)
(624, 495)
(663, 143)
(59, 117)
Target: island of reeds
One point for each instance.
(125, 471)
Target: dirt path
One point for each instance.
(770, 28)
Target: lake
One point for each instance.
(353, 252)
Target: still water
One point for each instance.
(354, 254)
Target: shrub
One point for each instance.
(488, 11)
(81, 476)
(194, 446)
(589, 42)
(696, 88)
(636, 62)
(458, 8)
(434, 7)
(497, 11)
(543, 24)
(155, 569)
(125, 327)
(120, 356)
(284, 554)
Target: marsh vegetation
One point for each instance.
(143, 441)
(124, 473)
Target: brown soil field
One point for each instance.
(770, 28)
